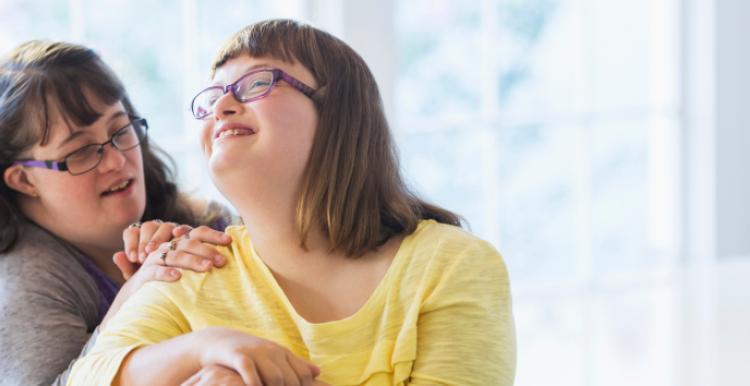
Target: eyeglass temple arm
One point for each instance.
(303, 88)
(53, 165)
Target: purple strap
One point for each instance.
(107, 288)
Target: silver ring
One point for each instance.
(156, 220)
(163, 257)
(136, 224)
(173, 244)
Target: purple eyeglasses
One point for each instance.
(248, 88)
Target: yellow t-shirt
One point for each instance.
(440, 315)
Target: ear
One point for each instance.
(18, 179)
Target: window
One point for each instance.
(551, 125)
(161, 50)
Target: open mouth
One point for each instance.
(238, 132)
(118, 188)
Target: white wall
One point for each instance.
(732, 74)
(716, 164)
(368, 27)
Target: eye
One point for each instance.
(82, 153)
(258, 83)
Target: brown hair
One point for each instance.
(38, 73)
(352, 188)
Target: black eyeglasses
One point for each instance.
(248, 88)
(87, 158)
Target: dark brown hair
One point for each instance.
(39, 73)
(352, 188)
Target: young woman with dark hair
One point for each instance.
(77, 169)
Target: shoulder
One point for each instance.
(446, 245)
(48, 304)
(192, 283)
(447, 266)
(43, 268)
(446, 259)
(210, 213)
(39, 253)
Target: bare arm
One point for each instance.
(167, 363)
(256, 360)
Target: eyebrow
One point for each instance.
(79, 133)
(248, 69)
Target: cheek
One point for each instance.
(69, 194)
(296, 128)
(135, 158)
(206, 137)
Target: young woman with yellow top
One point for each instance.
(339, 275)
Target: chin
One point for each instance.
(130, 212)
(221, 162)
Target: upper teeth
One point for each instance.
(120, 186)
(226, 133)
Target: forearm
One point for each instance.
(170, 362)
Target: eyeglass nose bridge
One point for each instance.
(100, 150)
(227, 89)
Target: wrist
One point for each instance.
(197, 343)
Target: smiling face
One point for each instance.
(96, 206)
(266, 142)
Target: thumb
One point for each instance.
(181, 230)
(124, 265)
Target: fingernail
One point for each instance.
(219, 259)
(173, 273)
(142, 256)
(149, 247)
(133, 256)
(206, 263)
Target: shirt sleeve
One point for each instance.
(465, 331)
(45, 319)
(148, 317)
(62, 379)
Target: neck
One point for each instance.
(99, 249)
(270, 221)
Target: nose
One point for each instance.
(226, 106)
(112, 159)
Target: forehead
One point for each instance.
(235, 67)
(61, 126)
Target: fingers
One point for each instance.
(303, 370)
(247, 370)
(273, 374)
(162, 234)
(194, 380)
(151, 272)
(130, 237)
(189, 254)
(214, 375)
(146, 231)
(284, 368)
(126, 267)
(211, 236)
(181, 230)
(205, 251)
(159, 272)
(142, 239)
